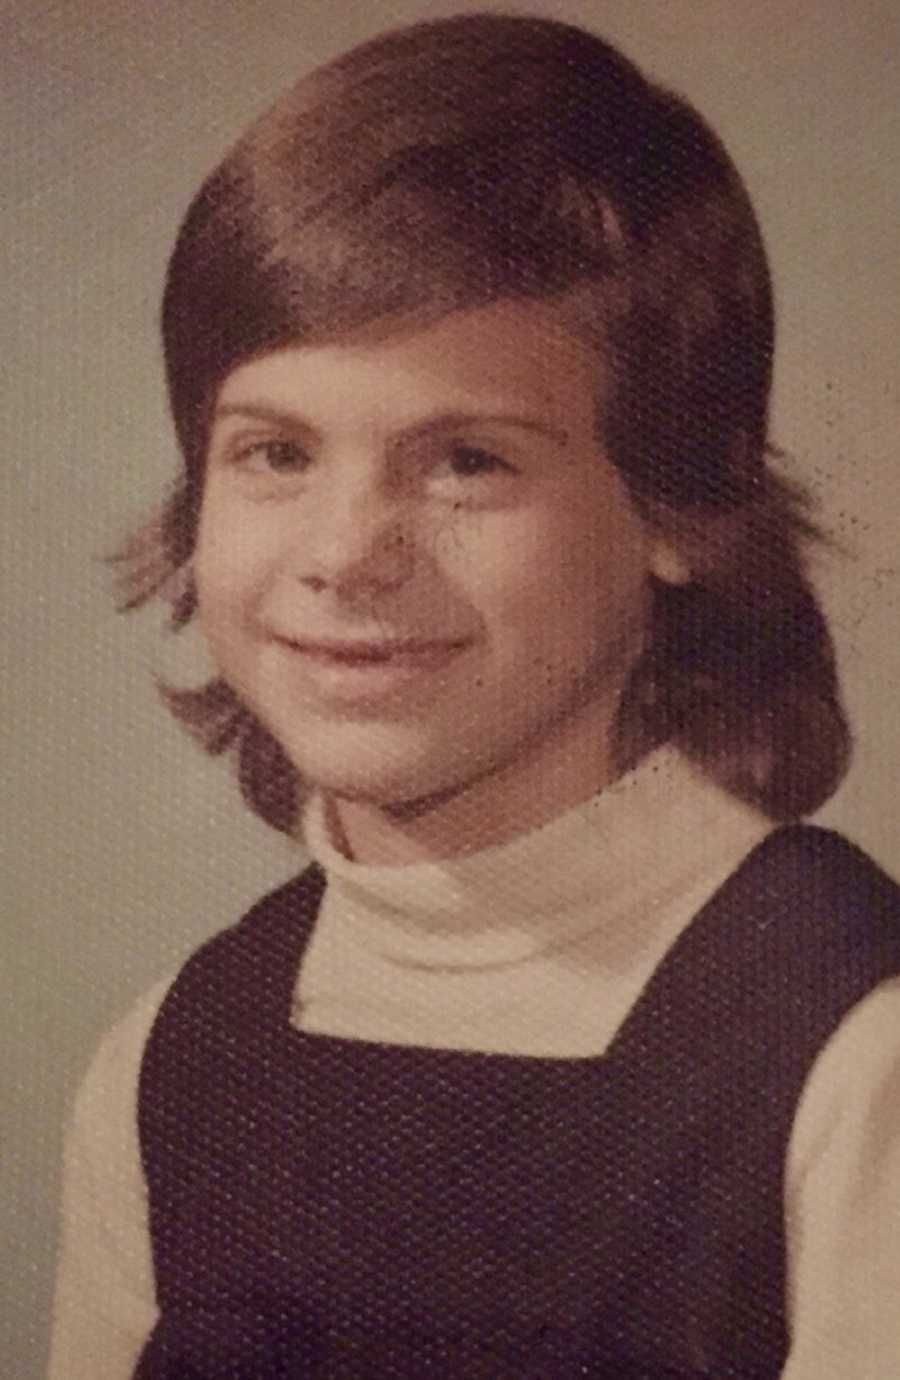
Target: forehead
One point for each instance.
(508, 354)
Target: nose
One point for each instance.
(356, 540)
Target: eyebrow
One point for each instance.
(442, 421)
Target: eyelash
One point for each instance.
(489, 461)
(263, 457)
(245, 454)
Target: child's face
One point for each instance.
(417, 567)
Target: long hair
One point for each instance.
(454, 163)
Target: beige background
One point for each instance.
(123, 846)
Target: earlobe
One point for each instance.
(668, 564)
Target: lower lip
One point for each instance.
(363, 679)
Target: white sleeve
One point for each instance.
(105, 1304)
(843, 1202)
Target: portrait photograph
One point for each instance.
(451, 690)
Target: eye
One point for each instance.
(472, 461)
(272, 455)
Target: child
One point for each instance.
(572, 1053)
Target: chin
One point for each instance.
(394, 781)
(406, 801)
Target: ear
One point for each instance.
(668, 564)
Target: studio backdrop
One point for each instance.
(122, 847)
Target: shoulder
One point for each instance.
(273, 927)
(804, 885)
(106, 1100)
(104, 1302)
(805, 922)
(228, 997)
(101, 1136)
(842, 1197)
(248, 967)
(853, 1092)
(802, 932)
(824, 860)
(111, 1078)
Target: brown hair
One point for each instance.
(455, 162)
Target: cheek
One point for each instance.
(231, 558)
(570, 593)
(608, 555)
(562, 565)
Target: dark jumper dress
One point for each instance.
(339, 1208)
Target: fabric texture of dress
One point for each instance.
(341, 1208)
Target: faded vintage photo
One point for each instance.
(452, 660)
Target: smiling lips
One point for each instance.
(359, 653)
(364, 673)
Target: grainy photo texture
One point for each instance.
(563, 1040)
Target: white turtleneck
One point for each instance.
(539, 946)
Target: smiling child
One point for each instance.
(572, 1052)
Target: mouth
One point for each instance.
(365, 676)
(397, 652)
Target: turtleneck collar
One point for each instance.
(622, 853)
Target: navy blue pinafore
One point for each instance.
(342, 1209)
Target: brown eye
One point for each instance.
(276, 456)
(471, 461)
